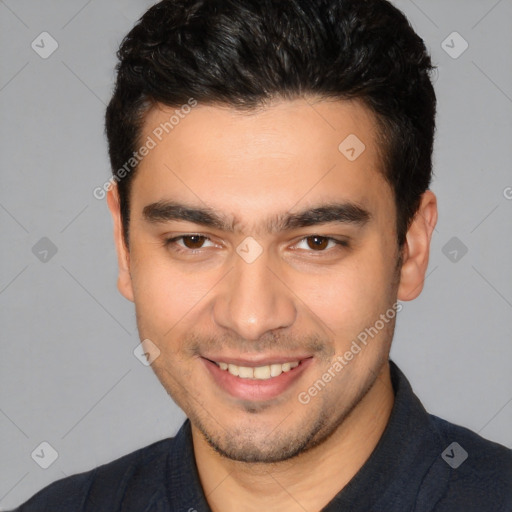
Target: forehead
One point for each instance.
(270, 160)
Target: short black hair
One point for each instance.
(244, 53)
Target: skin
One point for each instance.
(295, 298)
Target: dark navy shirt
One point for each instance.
(421, 463)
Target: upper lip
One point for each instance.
(254, 362)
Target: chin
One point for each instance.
(269, 444)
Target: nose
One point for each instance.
(252, 300)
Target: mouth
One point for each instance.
(256, 380)
(264, 372)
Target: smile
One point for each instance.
(266, 372)
(256, 379)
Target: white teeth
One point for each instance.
(233, 369)
(260, 372)
(276, 370)
(245, 372)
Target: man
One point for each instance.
(271, 163)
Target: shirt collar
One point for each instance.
(408, 447)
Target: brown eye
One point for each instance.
(193, 241)
(318, 243)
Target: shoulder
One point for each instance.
(141, 471)
(477, 473)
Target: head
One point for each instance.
(274, 205)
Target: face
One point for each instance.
(258, 245)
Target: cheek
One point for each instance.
(166, 294)
(351, 297)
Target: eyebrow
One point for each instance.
(330, 213)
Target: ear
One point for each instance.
(415, 251)
(124, 280)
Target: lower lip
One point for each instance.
(255, 389)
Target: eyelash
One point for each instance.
(179, 249)
(172, 241)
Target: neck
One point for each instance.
(292, 485)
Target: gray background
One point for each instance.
(68, 373)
